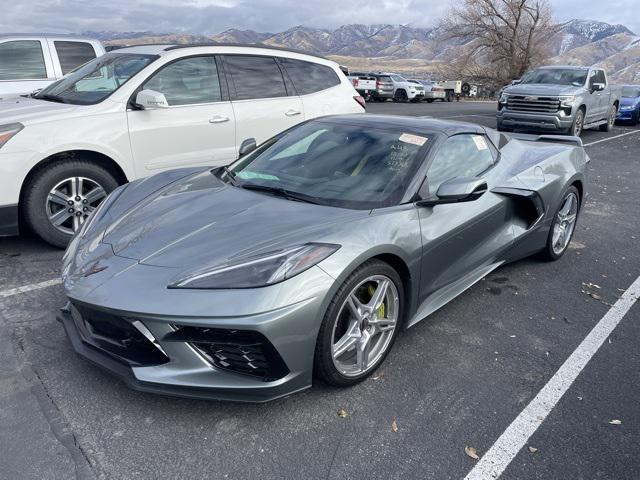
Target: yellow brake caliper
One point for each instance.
(380, 310)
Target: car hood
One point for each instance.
(200, 221)
(632, 101)
(26, 110)
(542, 89)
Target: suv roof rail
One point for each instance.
(250, 45)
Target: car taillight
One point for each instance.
(354, 81)
(378, 83)
(361, 101)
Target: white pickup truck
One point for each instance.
(364, 83)
(32, 62)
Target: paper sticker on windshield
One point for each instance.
(481, 143)
(413, 139)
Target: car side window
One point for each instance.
(592, 78)
(22, 60)
(73, 54)
(462, 155)
(600, 77)
(188, 81)
(255, 77)
(309, 77)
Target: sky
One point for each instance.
(214, 16)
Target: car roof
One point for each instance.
(419, 124)
(159, 48)
(69, 36)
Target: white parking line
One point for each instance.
(611, 138)
(503, 451)
(28, 288)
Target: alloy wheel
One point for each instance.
(365, 326)
(71, 201)
(565, 223)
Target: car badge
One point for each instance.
(95, 268)
(531, 98)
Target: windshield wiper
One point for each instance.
(282, 192)
(52, 98)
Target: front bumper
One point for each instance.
(628, 115)
(543, 121)
(8, 220)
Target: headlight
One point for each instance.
(567, 100)
(504, 97)
(626, 107)
(8, 131)
(259, 271)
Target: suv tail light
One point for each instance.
(361, 101)
(378, 83)
(354, 81)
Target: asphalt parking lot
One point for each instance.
(458, 379)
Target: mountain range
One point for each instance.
(418, 51)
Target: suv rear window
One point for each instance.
(309, 77)
(255, 77)
(73, 54)
(22, 60)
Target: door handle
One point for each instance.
(292, 113)
(218, 119)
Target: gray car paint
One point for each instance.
(159, 229)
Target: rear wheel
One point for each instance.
(611, 119)
(360, 325)
(59, 198)
(563, 226)
(430, 100)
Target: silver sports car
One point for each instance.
(307, 256)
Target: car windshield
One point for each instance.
(557, 76)
(631, 92)
(96, 80)
(337, 164)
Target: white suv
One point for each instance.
(140, 110)
(32, 62)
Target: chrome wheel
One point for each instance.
(577, 129)
(365, 326)
(564, 224)
(71, 201)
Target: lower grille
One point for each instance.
(522, 103)
(116, 336)
(241, 351)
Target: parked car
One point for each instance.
(432, 91)
(308, 255)
(364, 83)
(563, 99)
(31, 62)
(404, 90)
(137, 111)
(384, 87)
(629, 105)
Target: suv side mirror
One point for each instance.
(247, 146)
(150, 99)
(459, 189)
(598, 87)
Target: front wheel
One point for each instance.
(578, 122)
(563, 225)
(59, 198)
(611, 119)
(360, 325)
(400, 96)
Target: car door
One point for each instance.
(603, 96)
(25, 66)
(594, 104)
(263, 103)
(466, 237)
(197, 127)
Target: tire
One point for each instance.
(429, 100)
(38, 207)
(576, 128)
(551, 250)
(449, 97)
(337, 369)
(611, 119)
(400, 96)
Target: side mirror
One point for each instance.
(247, 146)
(150, 99)
(598, 87)
(459, 189)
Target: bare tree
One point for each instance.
(497, 40)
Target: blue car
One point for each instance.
(629, 105)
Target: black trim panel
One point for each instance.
(9, 220)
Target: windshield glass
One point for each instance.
(631, 92)
(96, 80)
(557, 76)
(337, 164)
